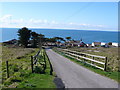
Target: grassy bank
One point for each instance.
(111, 74)
(35, 80)
(20, 69)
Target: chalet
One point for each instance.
(102, 43)
(94, 44)
(115, 44)
(75, 43)
(82, 44)
(72, 43)
(89, 45)
(49, 44)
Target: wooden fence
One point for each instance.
(51, 68)
(83, 58)
(34, 60)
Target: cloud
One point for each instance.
(9, 21)
(6, 17)
(85, 24)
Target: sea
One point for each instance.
(87, 36)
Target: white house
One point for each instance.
(89, 45)
(96, 44)
(115, 44)
(102, 43)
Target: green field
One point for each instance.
(21, 76)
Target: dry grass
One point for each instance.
(20, 69)
(9, 53)
(19, 62)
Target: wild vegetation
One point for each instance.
(21, 76)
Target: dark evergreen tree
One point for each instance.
(35, 37)
(24, 36)
(68, 38)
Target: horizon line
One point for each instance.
(66, 29)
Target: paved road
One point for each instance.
(76, 76)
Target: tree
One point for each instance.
(110, 43)
(58, 39)
(61, 39)
(34, 38)
(68, 38)
(24, 36)
(41, 39)
(53, 40)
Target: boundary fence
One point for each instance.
(34, 61)
(83, 58)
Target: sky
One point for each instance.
(60, 15)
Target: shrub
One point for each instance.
(38, 69)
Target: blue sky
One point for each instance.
(61, 15)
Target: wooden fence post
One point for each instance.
(93, 59)
(51, 71)
(32, 63)
(105, 68)
(45, 61)
(7, 66)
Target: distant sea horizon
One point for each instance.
(88, 36)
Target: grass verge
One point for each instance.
(36, 80)
(20, 72)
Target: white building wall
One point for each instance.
(102, 43)
(115, 44)
(87, 44)
(93, 44)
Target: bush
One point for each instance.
(38, 69)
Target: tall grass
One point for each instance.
(21, 76)
(43, 80)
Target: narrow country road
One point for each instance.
(76, 76)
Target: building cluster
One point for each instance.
(74, 43)
(71, 43)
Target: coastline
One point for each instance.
(88, 36)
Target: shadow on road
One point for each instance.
(59, 83)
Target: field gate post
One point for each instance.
(105, 68)
(32, 63)
(7, 66)
(44, 61)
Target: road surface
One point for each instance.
(76, 76)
